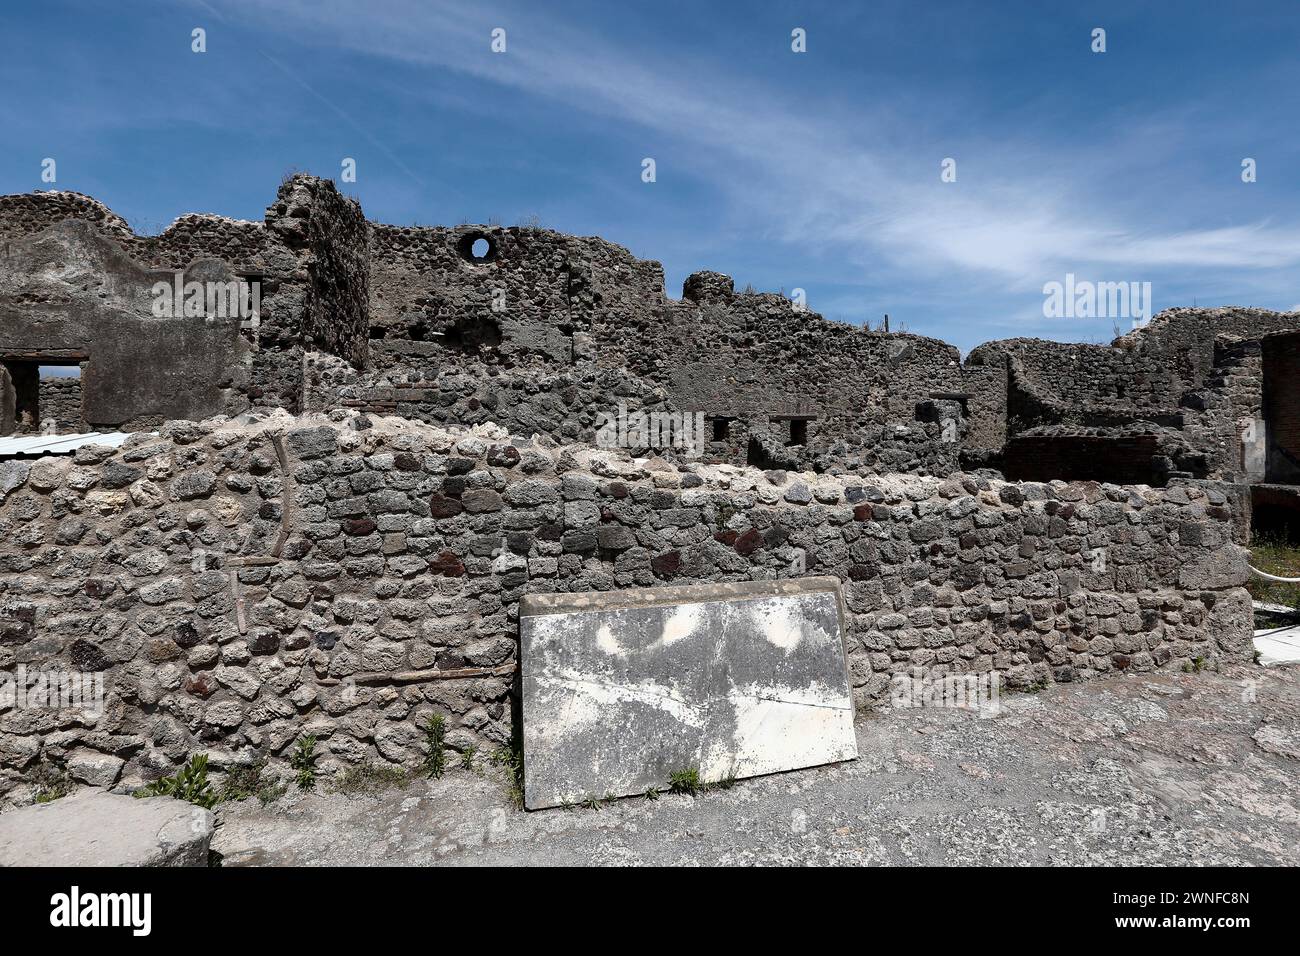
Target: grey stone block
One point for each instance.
(622, 688)
(97, 828)
(13, 475)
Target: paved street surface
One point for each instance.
(1139, 769)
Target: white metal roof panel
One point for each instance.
(14, 445)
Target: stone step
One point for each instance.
(93, 827)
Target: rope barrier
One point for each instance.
(1273, 577)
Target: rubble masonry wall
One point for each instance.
(234, 604)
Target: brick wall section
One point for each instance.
(406, 547)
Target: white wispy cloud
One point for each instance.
(810, 172)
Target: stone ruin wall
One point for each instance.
(235, 606)
(310, 255)
(59, 408)
(1197, 374)
(60, 403)
(391, 546)
(1152, 370)
(547, 331)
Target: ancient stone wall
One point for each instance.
(1223, 417)
(1155, 373)
(310, 259)
(333, 239)
(71, 293)
(242, 585)
(25, 214)
(60, 403)
(543, 332)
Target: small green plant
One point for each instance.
(512, 759)
(52, 782)
(271, 792)
(1035, 687)
(244, 782)
(190, 784)
(591, 803)
(1196, 665)
(652, 793)
(435, 739)
(369, 778)
(303, 762)
(685, 781)
(467, 757)
(688, 781)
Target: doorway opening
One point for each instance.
(41, 394)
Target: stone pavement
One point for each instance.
(1151, 769)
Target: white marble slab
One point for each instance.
(623, 688)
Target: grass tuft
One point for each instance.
(372, 778)
(52, 782)
(512, 759)
(685, 781)
(303, 762)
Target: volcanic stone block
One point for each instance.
(96, 828)
(622, 688)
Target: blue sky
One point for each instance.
(818, 170)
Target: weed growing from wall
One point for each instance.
(303, 761)
(435, 733)
(190, 784)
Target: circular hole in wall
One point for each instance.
(477, 247)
